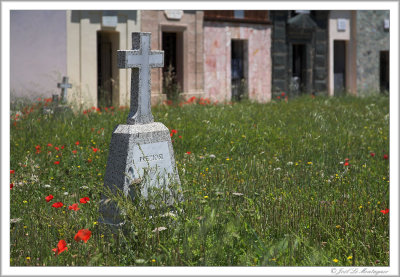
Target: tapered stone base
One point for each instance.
(139, 155)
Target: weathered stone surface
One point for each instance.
(371, 39)
(139, 154)
(320, 61)
(279, 60)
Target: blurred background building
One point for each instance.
(222, 55)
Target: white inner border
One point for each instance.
(393, 6)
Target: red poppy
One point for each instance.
(74, 151)
(61, 247)
(180, 137)
(95, 149)
(12, 171)
(278, 97)
(57, 162)
(346, 160)
(385, 157)
(282, 94)
(171, 134)
(37, 151)
(93, 108)
(37, 147)
(49, 198)
(188, 152)
(386, 211)
(56, 148)
(57, 205)
(346, 164)
(174, 131)
(372, 154)
(74, 207)
(11, 185)
(85, 112)
(62, 147)
(49, 145)
(77, 143)
(84, 200)
(83, 234)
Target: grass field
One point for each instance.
(297, 183)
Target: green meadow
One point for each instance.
(303, 182)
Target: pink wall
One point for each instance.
(38, 46)
(217, 59)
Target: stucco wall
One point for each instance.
(371, 39)
(38, 52)
(347, 35)
(217, 59)
(82, 29)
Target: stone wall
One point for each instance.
(371, 39)
(316, 45)
(190, 26)
(217, 55)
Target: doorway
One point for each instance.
(299, 68)
(107, 71)
(339, 67)
(384, 71)
(172, 44)
(239, 69)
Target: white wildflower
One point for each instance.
(277, 169)
(84, 187)
(237, 193)
(211, 156)
(66, 193)
(171, 214)
(15, 220)
(290, 163)
(47, 186)
(159, 229)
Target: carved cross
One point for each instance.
(141, 59)
(64, 86)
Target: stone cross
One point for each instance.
(64, 86)
(141, 59)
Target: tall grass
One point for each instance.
(263, 184)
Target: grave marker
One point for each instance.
(141, 150)
(64, 87)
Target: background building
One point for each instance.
(223, 54)
(237, 53)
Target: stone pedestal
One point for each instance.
(140, 154)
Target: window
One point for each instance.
(238, 14)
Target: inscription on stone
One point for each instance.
(174, 14)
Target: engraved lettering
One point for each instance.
(151, 158)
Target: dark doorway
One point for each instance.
(384, 71)
(107, 71)
(239, 70)
(339, 67)
(172, 44)
(299, 68)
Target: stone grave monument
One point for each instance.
(141, 150)
(64, 87)
(62, 106)
(58, 106)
